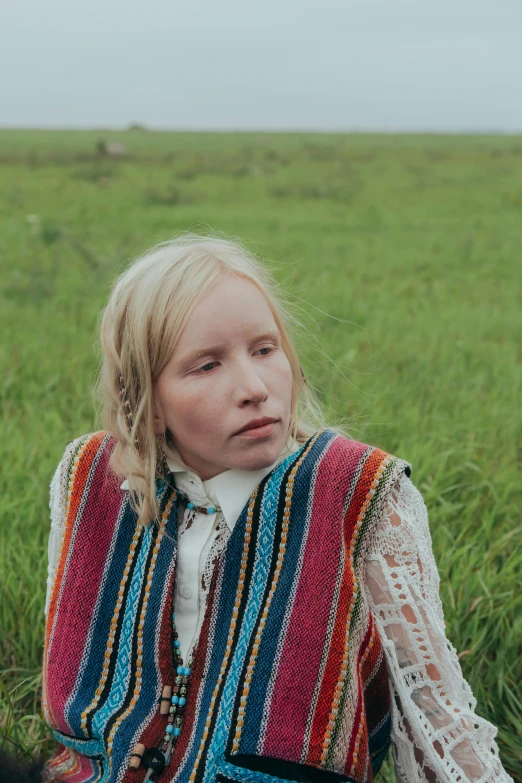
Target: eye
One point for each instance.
(200, 371)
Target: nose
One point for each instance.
(248, 384)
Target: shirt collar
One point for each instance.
(230, 490)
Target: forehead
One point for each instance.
(232, 310)
(232, 305)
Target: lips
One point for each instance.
(255, 423)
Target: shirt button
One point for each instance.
(186, 592)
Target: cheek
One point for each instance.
(286, 373)
(188, 406)
(172, 399)
(284, 381)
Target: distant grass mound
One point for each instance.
(403, 255)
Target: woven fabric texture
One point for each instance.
(288, 664)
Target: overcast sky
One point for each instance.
(441, 65)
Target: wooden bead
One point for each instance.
(136, 756)
(165, 699)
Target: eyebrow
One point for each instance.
(194, 355)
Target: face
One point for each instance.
(227, 368)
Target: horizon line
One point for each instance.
(140, 127)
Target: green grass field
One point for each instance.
(403, 257)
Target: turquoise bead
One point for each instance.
(175, 699)
(190, 504)
(180, 670)
(187, 671)
(169, 729)
(177, 643)
(177, 731)
(210, 510)
(182, 701)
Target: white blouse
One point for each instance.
(437, 737)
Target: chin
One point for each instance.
(261, 455)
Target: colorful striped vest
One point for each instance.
(289, 681)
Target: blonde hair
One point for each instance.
(148, 307)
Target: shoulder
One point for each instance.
(79, 445)
(64, 476)
(80, 453)
(406, 508)
(370, 459)
(85, 467)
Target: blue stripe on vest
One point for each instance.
(150, 686)
(256, 587)
(123, 661)
(280, 601)
(92, 663)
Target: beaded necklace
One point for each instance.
(173, 698)
(201, 509)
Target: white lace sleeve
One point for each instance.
(436, 734)
(57, 494)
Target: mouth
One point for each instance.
(259, 430)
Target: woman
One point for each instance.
(236, 590)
